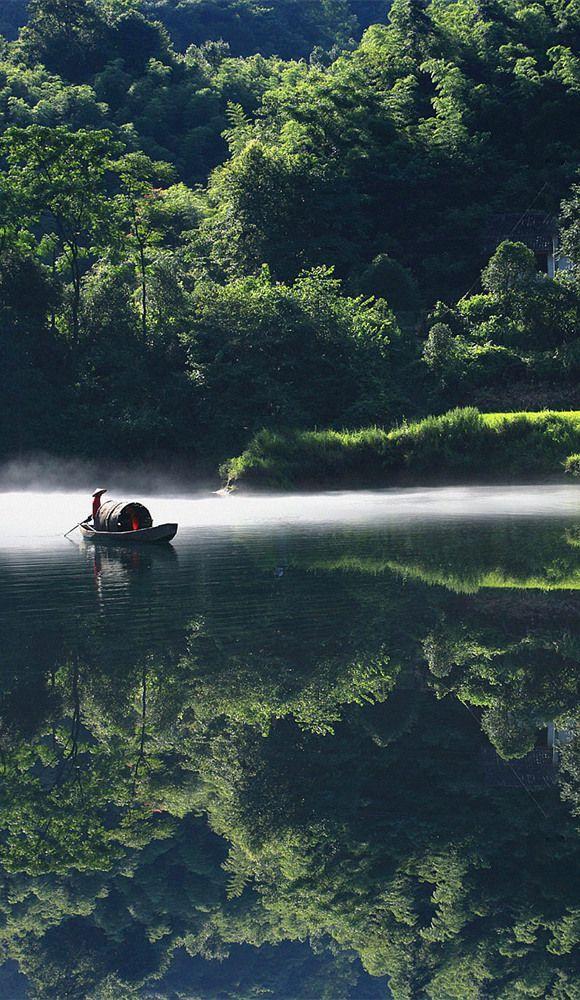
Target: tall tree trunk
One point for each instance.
(143, 276)
(76, 280)
(53, 309)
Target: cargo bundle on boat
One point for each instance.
(122, 515)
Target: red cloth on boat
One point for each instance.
(96, 505)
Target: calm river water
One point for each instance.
(320, 747)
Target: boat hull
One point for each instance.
(143, 536)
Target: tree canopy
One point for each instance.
(229, 150)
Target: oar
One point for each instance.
(73, 529)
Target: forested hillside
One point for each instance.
(288, 28)
(220, 216)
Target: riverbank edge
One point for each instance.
(463, 446)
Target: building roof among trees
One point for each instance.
(536, 229)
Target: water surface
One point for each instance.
(321, 746)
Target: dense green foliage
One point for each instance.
(288, 28)
(291, 29)
(463, 444)
(290, 354)
(164, 163)
(406, 146)
(517, 341)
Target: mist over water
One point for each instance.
(49, 473)
(37, 518)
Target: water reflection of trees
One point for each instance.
(308, 766)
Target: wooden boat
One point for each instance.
(142, 536)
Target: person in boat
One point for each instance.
(96, 505)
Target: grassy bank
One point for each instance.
(460, 446)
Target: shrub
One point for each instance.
(462, 445)
(282, 460)
(452, 441)
(572, 465)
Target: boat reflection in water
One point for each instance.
(306, 763)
